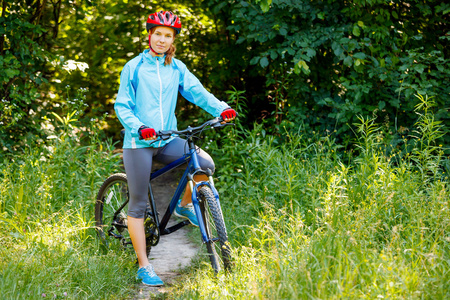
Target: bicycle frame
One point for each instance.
(192, 168)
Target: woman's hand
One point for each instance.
(146, 133)
(228, 114)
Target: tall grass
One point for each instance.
(307, 218)
(308, 223)
(48, 247)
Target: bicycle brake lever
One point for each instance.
(222, 124)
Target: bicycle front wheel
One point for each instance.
(218, 247)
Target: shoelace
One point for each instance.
(150, 270)
(190, 207)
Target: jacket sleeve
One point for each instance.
(126, 102)
(193, 91)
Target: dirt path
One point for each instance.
(174, 251)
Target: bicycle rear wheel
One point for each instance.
(111, 210)
(215, 230)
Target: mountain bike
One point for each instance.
(112, 203)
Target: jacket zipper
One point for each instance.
(160, 95)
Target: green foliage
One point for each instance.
(264, 4)
(330, 61)
(21, 73)
(315, 63)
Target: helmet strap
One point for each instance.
(158, 54)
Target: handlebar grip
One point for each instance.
(164, 132)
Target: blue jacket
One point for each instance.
(151, 98)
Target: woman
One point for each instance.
(149, 86)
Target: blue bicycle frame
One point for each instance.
(193, 168)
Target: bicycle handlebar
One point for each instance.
(190, 131)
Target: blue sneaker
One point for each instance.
(186, 212)
(148, 276)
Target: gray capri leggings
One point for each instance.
(138, 166)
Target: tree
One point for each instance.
(22, 57)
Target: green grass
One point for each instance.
(310, 221)
(48, 244)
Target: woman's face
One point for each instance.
(161, 38)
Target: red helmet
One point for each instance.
(164, 18)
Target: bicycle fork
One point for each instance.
(196, 204)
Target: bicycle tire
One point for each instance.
(112, 195)
(215, 230)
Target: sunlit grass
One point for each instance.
(308, 221)
(48, 242)
(361, 241)
(62, 259)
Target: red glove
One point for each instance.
(228, 114)
(146, 133)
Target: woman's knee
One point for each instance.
(206, 161)
(136, 209)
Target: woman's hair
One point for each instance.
(170, 54)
